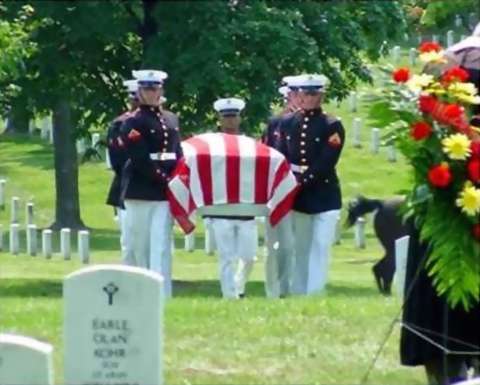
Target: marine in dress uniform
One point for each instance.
(118, 157)
(312, 142)
(154, 149)
(235, 236)
(279, 239)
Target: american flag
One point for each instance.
(221, 168)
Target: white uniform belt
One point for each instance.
(298, 168)
(163, 156)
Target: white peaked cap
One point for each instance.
(312, 81)
(226, 105)
(284, 90)
(291, 81)
(150, 76)
(131, 85)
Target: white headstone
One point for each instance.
(420, 39)
(412, 56)
(81, 147)
(435, 38)
(25, 361)
(338, 231)
(396, 55)
(47, 243)
(32, 240)
(95, 139)
(2, 193)
(357, 130)
(450, 38)
(15, 210)
(113, 326)
(392, 153)
(190, 242)
(360, 233)
(65, 243)
(353, 101)
(31, 126)
(84, 246)
(46, 127)
(108, 163)
(1, 237)
(14, 238)
(50, 134)
(209, 238)
(458, 21)
(29, 213)
(375, 147)
(401, 254)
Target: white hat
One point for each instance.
(312, 82)
(284, 90)
(149, 77)
(292, 82)
(229, 106)
(131, 85)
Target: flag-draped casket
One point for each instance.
(232, 170)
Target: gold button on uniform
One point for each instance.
(303, 134)
(304, 126)
(302, 143)
(302, 152)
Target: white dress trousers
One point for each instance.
(314, 236)
(149, 225)
(237, 246)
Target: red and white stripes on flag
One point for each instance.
(220, 168)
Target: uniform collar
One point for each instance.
(313, 112)
(145, 107)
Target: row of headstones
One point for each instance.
(46, 246)
(113, 332)
(113, 329)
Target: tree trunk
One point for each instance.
(18, 119)
(67, 205)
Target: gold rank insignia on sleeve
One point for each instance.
(334, 140)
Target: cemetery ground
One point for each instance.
(325, 339)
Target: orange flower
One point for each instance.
(429, 46)
(401, 75)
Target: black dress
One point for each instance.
(429, 314)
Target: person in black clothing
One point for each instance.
(153, 146)
(118, 157)
(427, 314)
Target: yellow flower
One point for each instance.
(433, 57)
(456, 146)
(418, 82)
(465, 92)
(469, 200)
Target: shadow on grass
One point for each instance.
(30, 288)
(211, 288)
(38, 157)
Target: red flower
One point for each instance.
(476, 231)
(429, 46)
(475, 147)
(452, 111)
(401, 75)
(473, 168)
(455, 74)
(440, 175)
(427, 103)
(420, 130)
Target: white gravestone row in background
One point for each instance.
(1, 237)
(360, 233)
(15, 210)
(14, 238)
(450, 38)
(396, 55)
(353, 101)
(47, 243)
(357, 128)
(113, 326)
(25, 361)
(412, 56)
(375, 145)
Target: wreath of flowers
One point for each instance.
(427, 115)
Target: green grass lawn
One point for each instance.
(327, 339)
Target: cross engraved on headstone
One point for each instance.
(110, 289)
